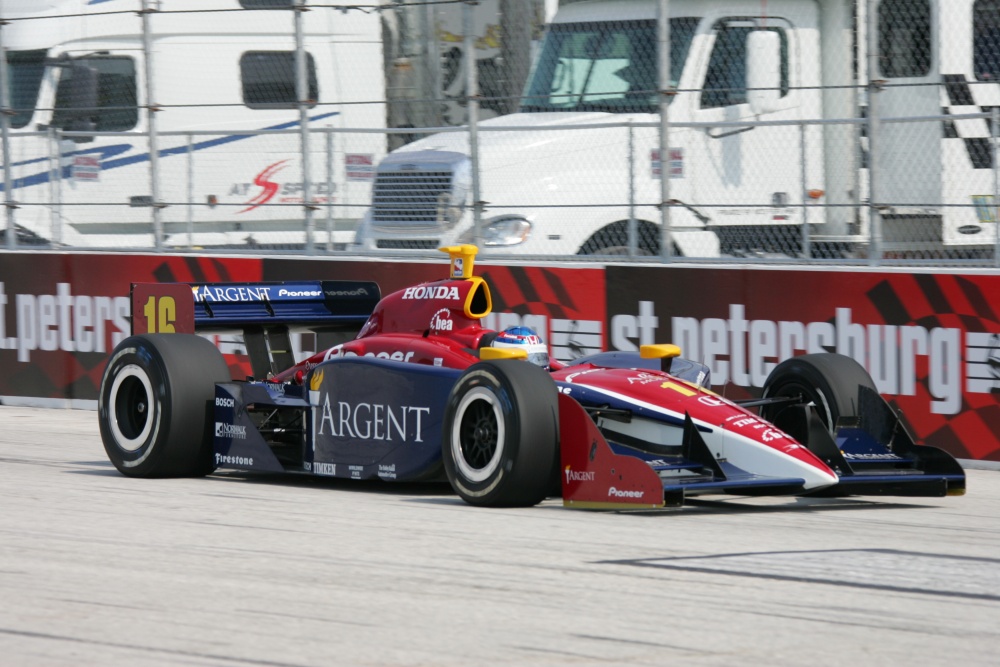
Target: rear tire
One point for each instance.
(501, 434)
(156, 405)
(828, 380)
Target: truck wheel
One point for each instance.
(501, 432)
(612, 240)
(830, 381)
(156, 405)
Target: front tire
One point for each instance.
(501, 434)
(830, 381)
(156, 405)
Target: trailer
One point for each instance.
(246, 154)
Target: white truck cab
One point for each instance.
(550, 186)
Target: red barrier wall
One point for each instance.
(931, 340)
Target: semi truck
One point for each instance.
(785, 135)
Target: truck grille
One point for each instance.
(409, 198)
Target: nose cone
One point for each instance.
(757, 446)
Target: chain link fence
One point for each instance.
(792, 131)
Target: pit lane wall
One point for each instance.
(930, 340)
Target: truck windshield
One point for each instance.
(608, 66)
(24, 71)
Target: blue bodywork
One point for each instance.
(359, 418)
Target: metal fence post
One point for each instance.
(54, 136)
(806, 232)
(151, 110)
(302, 94)
(994, 120)
(329, 189)
(874, 86)
(8, 181)
(666, 92)
(190, 191)
(472, 99)
(633, 244)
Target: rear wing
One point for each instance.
(265, 312)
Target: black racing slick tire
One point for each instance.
(501, 434)
(156, 405)
(829, 381)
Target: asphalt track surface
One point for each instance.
(99, 569)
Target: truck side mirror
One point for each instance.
(77, 100)
(763, 70)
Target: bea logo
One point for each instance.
(442, 321)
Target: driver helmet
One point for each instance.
(526, 339)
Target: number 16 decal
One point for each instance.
(162, 308)
(160, 314)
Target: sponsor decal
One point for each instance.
(675, 164)
(441, 321)
(578, 475)
(233, 431)
(356, 471)
(372, 421)
(325, 468)
(359, 166)
(338, 351)
(262, 180)
(225, 459)
(86, 168)
(572, 376)
(360, 291)
(215, 293)
(274, 191)
(432, 292)
(221, 402)
(765, 432)
(63, 321)
(387, 471)
(285, 292)
(645, 378)
(316, 380)
(614, 492)
(887, 456)
(711, 401)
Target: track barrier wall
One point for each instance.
(931, 340)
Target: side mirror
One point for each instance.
(763, 70)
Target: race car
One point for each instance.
(416, 389)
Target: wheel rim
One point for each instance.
(130, 400)
(477, 441)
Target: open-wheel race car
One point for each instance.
(419, 390)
